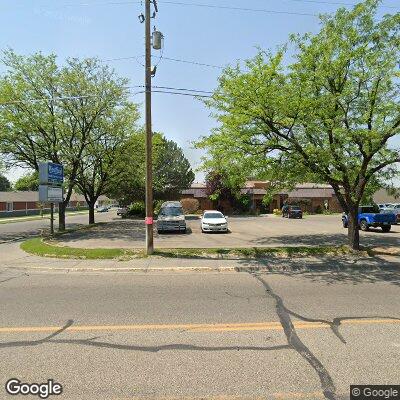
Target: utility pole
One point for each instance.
(149, 135)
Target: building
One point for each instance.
(13, 204)
(311, 197)
(383, 197)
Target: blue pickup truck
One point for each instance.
(371, 216)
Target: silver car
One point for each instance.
(171, 218)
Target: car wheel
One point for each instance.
(386, 228)
(345, 225)
(364, 225)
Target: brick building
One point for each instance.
(14, 204)
(311, 197)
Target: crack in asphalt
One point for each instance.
(327, 385)
(152, 349)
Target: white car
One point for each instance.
(214, 221)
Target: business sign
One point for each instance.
(51, 174)
(50, 194)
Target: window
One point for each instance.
(9, 207)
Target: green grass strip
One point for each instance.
(43, 248)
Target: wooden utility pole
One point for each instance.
(149, 135)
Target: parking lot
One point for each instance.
(261, 231)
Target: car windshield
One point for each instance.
(171, 211)
(213, 215)
(370, 210)
(295, 208)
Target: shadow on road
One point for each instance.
(332, 270)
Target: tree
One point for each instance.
(330, 116)
(5, 184)
(97, 167)
(48, 113)
(171, 170)
(28, 182)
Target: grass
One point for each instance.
(43, 248)
(48, 248)
(25, 218)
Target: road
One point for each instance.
(18, 230)
(200, 335)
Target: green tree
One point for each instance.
(5, 184)
(97, 170)
(171, 170)
(48, 113)
(28, 182)
(330, 116)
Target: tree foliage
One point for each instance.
(28, 182)
(49, 113)
(330, 116)
(5, 184)
(171, 170)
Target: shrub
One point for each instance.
(277, 211)
(157, 206)
(190, 206)
(137, 209)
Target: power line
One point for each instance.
(137, 58)
(261, 10)
(181, 3)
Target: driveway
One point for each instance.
(244, 232)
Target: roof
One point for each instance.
(310, 193)
(28, 196)
(33, 196)
(382, 196)
(302, 190)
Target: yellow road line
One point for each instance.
(246, 326)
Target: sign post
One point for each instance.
(51, 178)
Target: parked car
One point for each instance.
(171, 217)
(102, 209)
(372, 216)
(289, 211)
(122, 211)
(384, 206)
(214, 221)
(393, 209)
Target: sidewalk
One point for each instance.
(11, 256)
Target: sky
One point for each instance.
(110, 29)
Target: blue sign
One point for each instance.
(55, 173)
(51, 174)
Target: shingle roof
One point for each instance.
(32, 196)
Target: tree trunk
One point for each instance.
(91, 213)
(353, 229)
(61, 217)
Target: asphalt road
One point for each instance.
(23, 229)
(199, 335)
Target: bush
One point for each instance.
(136, 209)
(277, 211)
(190, 206)
(157, 206)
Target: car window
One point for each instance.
(171, 211)
(213, 215)
(370, 210)
(295, 208)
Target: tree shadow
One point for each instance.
(330, 269)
